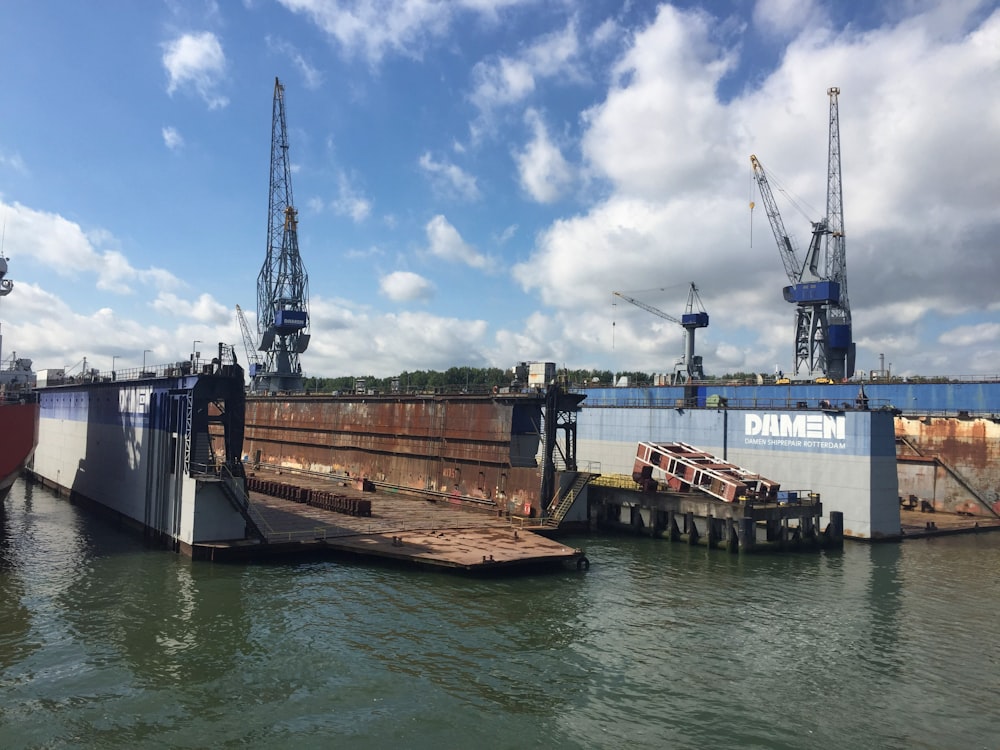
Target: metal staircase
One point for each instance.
(920, 455)
(561, 505)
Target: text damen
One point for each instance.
(817, 426)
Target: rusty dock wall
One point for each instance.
(950, 462)
(478, 446)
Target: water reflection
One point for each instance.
(15, 617)
(171, 622)
(884, 606)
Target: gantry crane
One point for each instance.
(689, 367)
(282, 285)
(822, 345)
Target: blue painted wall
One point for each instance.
(909, 397)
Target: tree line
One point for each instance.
(474, 379)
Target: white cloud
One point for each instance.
(604, 33)
(172, 138)
(661, 130)
(404, 286)
(196, 60)
(373, 251)
(64, 247)
(787, 17)
(349, 201)
(503, 80)
(383, 345)
(311, 76)
(205, 309)
(543, 171)
(14, 161)
(977, 335)
(450, 179)
(505, 236)
(373, 30)
(446, 243)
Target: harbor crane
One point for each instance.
(689, 367)
(282, 285)
(823, 347)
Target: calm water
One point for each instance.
(104, 643)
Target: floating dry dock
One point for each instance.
(303, 513)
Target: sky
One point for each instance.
(474, 178)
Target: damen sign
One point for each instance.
(815, 430)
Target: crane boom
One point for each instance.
(248, 342)
(792, 266)
(647, 308)
(690, 366)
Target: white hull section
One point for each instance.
(122, 446)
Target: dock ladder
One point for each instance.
(561, 505)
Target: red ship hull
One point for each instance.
(18, 439)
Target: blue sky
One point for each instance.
(475, 177)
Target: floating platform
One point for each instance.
(404, 528)
(915, 524)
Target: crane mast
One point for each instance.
(282, 285)
(841, 338)
(690, 366)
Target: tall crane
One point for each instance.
(689, 367)
(282, 285)
(818, 288)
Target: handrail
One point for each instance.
(241, 499)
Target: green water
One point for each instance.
(107, 644)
